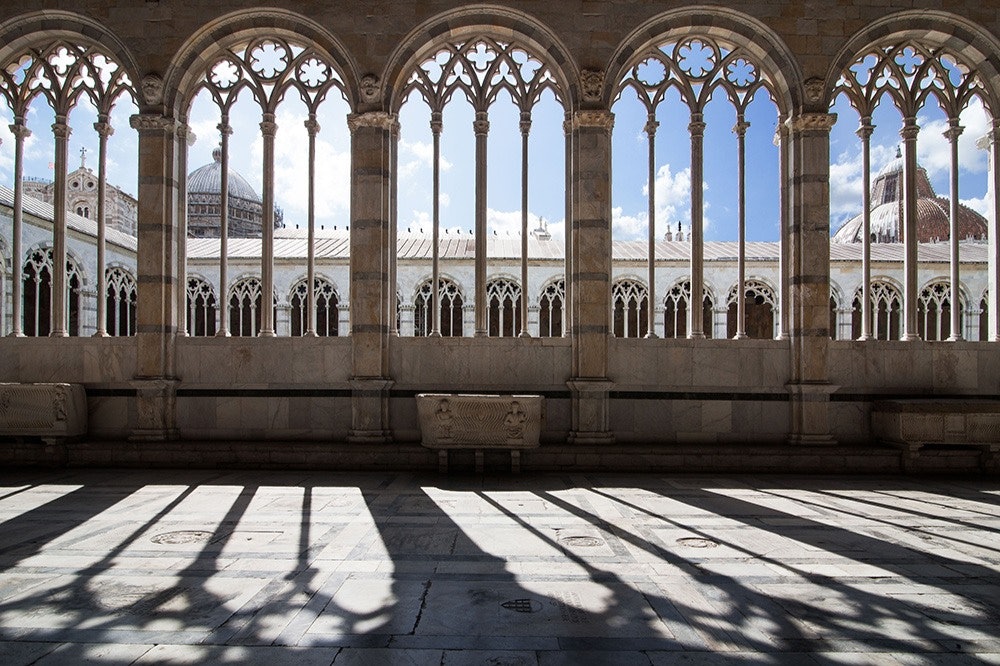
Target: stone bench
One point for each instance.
(479, 422)
(55, 413)
(916, 423)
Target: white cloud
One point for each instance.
(444, 199)
(416, 157)
(673, 205)
(980, 205)
(934, 150)
(846, 182)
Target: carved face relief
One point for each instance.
(369, 88)
(591, 83)
(152, 89)
(815, 87)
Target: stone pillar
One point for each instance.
(481, 126)
(865, 134)
(61, 132)
(104, 130)
(20, 133)
(952, 133)
(651, 304)
(283, 312)
(720, 323)
(993, 234)
(225, 131)
(406, 320)
(436, 127)
(371, 140)
(468, 319)
(697, 129)
(808, 241)
(567, 310)
(156, 265)
(910, 285)
(268, 128)
(658, 316)
(591, 277)
(844, 322)
(781, 140)
(525, 127)
(185, 139)
(312, 129)
(740, 129)
(343, 319)
(533, 326)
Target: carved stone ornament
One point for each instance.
(813, 122)
(815, 87)
(148, 122)
(152, 89)
(377, 119)
(369, 88)
(591, 84)
(600, 119)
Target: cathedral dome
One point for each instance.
(933, 218)
(208, 180)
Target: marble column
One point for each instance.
(185, 139)
(781, 140)
(591, 277)
(993, 234)
(312, 129)
(58, 311)
(567, 311)
(20, 133)
(481, 127)
(651, 303)
(225, 131)
(371, 142)
(156, 262)
(740, 129)
(697, 130)
(268, 128)
(104, 130)
(808, 241)
(952, 133)
(436, 127)
(910, 285)
(865, 134)
(525, 127)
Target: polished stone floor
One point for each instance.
(184, 567)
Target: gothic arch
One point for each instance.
(470, 22)
(728, 25)
(200, 50)
(975, 46)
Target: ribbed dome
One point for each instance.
(208, 180)
(933, 218)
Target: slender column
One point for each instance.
(20, 133)
(993, 234)
(481, 126)
(809, 253)
(952, 133)
(865, 134)
(567, 310)
(784, 187)
(436, 127)
(186, 139)
(268, 128)
(104, 130)
(225, 131)
(650, 128)
(371, 138)
(525, 129)
(741, 260)
(312, 128)
(910, 286)
(697, 129)
(591, 277)
(61, 132)
(393, 227)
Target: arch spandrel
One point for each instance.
(467, 26)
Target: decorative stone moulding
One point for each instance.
(53, 412)
(479, 422)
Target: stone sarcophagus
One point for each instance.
(53, 412)
(479, 422)
(916, 423)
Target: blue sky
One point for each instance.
(546, 170)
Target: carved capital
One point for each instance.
(185, 133)
(377, 119)
(910, 129)
(741, 127)
(604, 120)
(954, 130)
(437, 125)
(525, 124)
(104, 129)
(481, 125)
(567, 127)
(268, 127)
(152, 89)
(151, 122)
(61, 130)
(369, 86)
(312, 127)
(591, 84)
(696, 127)
(650, 127)
(866, 129)
(225, 128)
(812, 122)
(19, 131)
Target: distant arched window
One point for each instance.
(244, 307)
(934, 312)
(201, 307)
(675, 311)
(550, 310)
(503, 314)
(630, 309)
(886, 312)
(121, 296)
(36, 294)
(451, 309)
(760, 307)
(327, 313)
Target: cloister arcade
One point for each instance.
(602, 325)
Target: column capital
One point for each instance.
(954, 130)
(225, 128)
(697, 124)
(375, 119)
(185, 133)
(650, 127)
(910, 129)
(741, 127)
(268, 127)
(525, 124)
(812, 122)
(312, 127)
(437, 125)
(104, 129)
(151, 122)
(19, 129)
(865, 129)
(61, 130)
(604, 120)
(481, 125)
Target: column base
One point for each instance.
(810, 412)
(370, 410)
(591, 411)
(156, 410)
(369, 436)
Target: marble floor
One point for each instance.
(185, 567)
